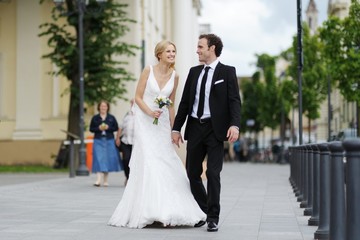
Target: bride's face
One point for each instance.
(169, 54)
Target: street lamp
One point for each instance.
(356, 87)
(282, 123)
(300, 67)
(329, 106)
(80, 9)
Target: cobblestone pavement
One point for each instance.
(257, 203)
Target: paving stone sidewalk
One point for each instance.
(257, 204)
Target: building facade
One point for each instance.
(32, 108)
(342, 113)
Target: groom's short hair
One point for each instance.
(215, 40)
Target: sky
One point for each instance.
(250, 27)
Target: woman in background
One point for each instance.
(106, 157)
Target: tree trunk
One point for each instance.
(74, 116)
(74, 123)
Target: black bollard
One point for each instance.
(297, 170)
(324, 212)
(337, 192)
(352, 154)
(310, 182)
(304, 177)
(300, 193)
(292, 162)
(314, 219)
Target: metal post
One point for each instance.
(71, 157)
(352, 154)
(309, 208)
(300, 190)
(298, 170)
(296, 151)
(357, 117)
(292, 162)
(329, 108)
(304, 177)
(324, 212)
(282, 133)
(337, 192)
(300, 66)
(314, 219)
(82, 170)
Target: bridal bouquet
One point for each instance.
(162, 101)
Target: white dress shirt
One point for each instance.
(206, 113)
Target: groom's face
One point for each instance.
(204, 51)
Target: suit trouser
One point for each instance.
(201, 142)
(126, 149)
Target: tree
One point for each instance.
(252, 93)
(104, 76)
(341, 39)
(331, 37)
(350, 80)
(314, 84)
(270, 110)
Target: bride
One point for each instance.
(158, 189)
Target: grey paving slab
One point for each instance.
(257, 203)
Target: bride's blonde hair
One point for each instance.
(160, 48)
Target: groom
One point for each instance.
(211, 103)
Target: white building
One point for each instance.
(32, 112)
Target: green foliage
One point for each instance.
(104, 75)
(252, 92)
(350, 68)
(331, 37)
(270, 109)
(263, 101)
(314, 80)
(341, 39)
(288, 84)
(29, 169)
(287, 94)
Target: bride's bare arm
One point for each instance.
(172, 97)
(140, 89)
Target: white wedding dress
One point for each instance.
(158, 189)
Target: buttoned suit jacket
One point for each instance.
(224, 100)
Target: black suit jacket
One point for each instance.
(224, 100)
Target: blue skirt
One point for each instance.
(106, 157)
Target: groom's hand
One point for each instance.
(176, 138)
(232, 134)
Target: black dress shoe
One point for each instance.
(212, 227)
(200, 223)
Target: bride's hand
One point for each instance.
(156, 113)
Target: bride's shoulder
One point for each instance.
(147, 68)
(176, 75)
(146, 71)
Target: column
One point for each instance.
(28, 71)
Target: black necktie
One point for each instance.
(200, 110)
